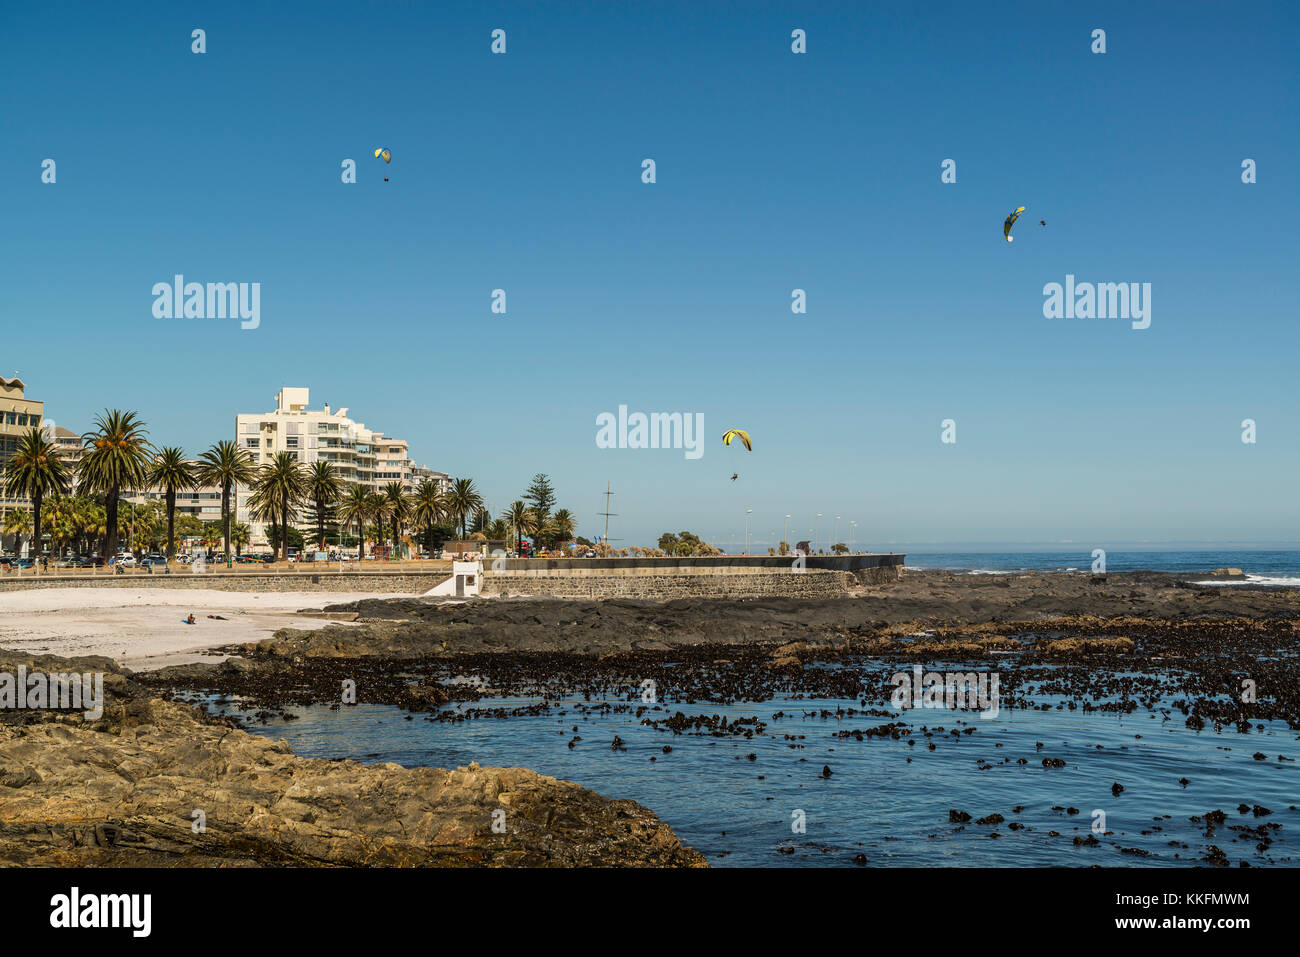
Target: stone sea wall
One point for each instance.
(811, 584)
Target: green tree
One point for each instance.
(323, 490)
(354, 506)
(520, 518)
(227, 466)
(279, 488)
(115, 459)
(18, 523)
(35, 469)
(398, 506)
(171, 472)
(563, 525)
(240, 535)
(462, 500)
(428, 507)
(541, 496)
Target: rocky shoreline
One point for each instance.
(123, 790)
(157, 783)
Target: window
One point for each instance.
(252, 443)
(291, 441)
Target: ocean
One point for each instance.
(1263, 566)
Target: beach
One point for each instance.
(145, 628)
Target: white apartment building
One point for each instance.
(359, 454)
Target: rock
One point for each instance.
(121, 792)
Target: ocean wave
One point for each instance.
(1277, 582)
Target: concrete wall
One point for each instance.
(377, 582)
(889, 567)
(813, 584)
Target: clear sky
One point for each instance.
(775, 171)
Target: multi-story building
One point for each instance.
(359, 454)
(17, 414)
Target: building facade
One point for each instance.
(359, 454)
(17, 414)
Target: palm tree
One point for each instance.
(398, 505)
(520, 518)
(228, 466)
(240, 535)
(280, 486)
(427, 509)
(116, 459)
(563, 525)
(35, 468)
(462, 500)
(354, 506)
(172, 473)
(378, 512)
(18, 523)
(323, 488)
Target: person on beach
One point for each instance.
(190, 620)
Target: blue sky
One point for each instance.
(775, 171)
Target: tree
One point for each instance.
(323, 489)
(18, 523)
(354, 506)
(279, 488)
(428, 508)
(563, 525)
(116, 459)
(35, 469)
(839, 548)
(463, 499)
(398, 506)
(378, 511)
(172, 473)
(240, 535)
(227, 466)
(541, 496)
(521, 520)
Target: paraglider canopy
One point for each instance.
(384, 154)
(1011, 221)
(737, 434)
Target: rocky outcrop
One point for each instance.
(154, 782)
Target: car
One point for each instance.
(124, 560)
(72, 561)
(154, 563)
(21, 563)
(590, 553)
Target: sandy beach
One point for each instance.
(145, 629)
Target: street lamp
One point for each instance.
(785, 535)
(747, 511)
(818, 535)
(852, 527)
(835, 531)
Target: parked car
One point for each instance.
(124, 560)
(20, 563)
(154, 563)
(72, 561)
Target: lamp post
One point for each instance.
(852, 528)
(785, 535)
(835, 531)
(747, 511)
(818, 533)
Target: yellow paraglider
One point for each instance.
(382, 153)
(1011, 221)
(739, 434)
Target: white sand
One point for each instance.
(144, 628)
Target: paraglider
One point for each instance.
(383, 154)
(734, 476)
(739, 434)
(1042, 222)
(1011, 221)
